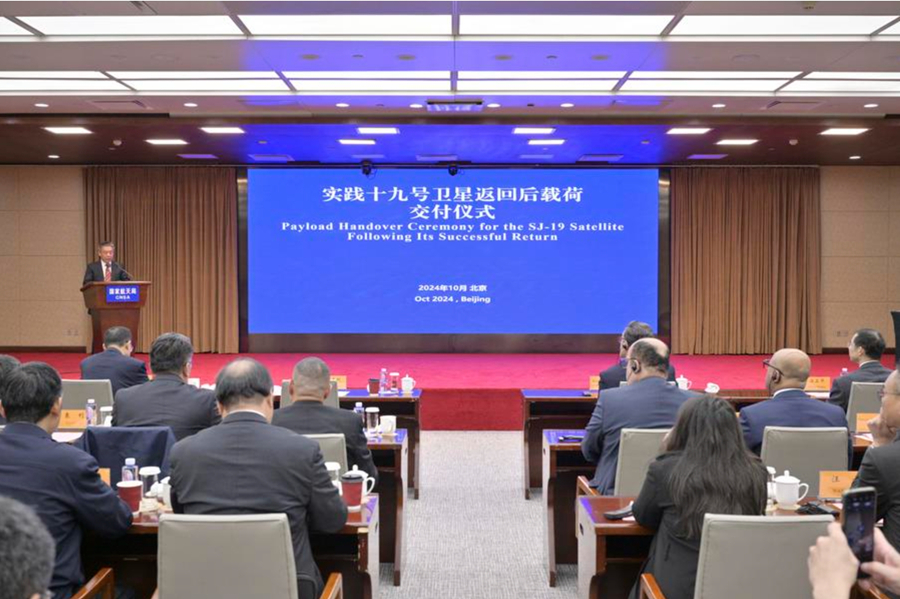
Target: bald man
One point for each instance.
(786, 374)
(647, 402)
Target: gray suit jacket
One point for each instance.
(247, 466)
(870, 372)
(650, 403)
(167, 401)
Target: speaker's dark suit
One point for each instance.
(314, 418)
(121, 370)
(247, 466)
(870, 372)
(614, 376)
(94, 273)
(790, 407)
(167, 401)
(880, 467)
(63, 486)
(650, 403)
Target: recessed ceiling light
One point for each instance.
(567, 105)
(702, 85)
(533, 130)
(190, 105)
(870, 105)
(542, 75)
(416, 105)
(209, 85)
(194, 74)
(714, 74)
(347, 24)
(688, 130)
(54, 85)
(41, 105)
(55, 156)
(706, 156)
(68, 130)
(134, 25)
(844, 131)
(793, 25)
(167, 142)
(546, 142)
(493, 105)
(537, 85)
(736, 142)
(855, 157)
(222, 130)
(718, 106)
(367, 74)
(377, 130)
(416, 87)
(356, 142)
(543, 24)
(198, 156)
(342, 105)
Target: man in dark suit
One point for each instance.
(648, 401)
(614, 376)
(115, 362)
(248, 466)
(62, 484)
(168, 400)
(865, 348)
(26, 552)
(106, 268)
(308, 415)
(786, 374)
(7, 365)
(881, 462)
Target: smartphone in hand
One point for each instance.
(858, 522)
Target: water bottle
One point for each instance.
(130, 470)
(360, 411)
(90, 412)
(844, 371)
(383, 382)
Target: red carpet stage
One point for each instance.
(481, 391)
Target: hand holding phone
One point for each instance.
(858, 523)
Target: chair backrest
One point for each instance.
(210, 556)
(77, 392)
(863, 400)
(748, 557)
(805, 452)
(334, 448)
(637, 448)
(332, 400)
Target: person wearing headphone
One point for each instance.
(648, 401)
(786, 374)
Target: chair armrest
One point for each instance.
(872, 593)
(334, 588)
(102, 585)
(584, 487)
(649, 588)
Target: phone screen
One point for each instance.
(859, 523)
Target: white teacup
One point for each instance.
(388, 425)
(711, 388)
(683, 383)
(787, 491)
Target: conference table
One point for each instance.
(352, 551)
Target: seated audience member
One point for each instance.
(115, 362)
(833, 568)
(247, 466)
(7, 365)
(706, 469)
(62, 484)
(613, 376)
(308, 415)
(26, 552)
(880, 467)
(786, 374)
(865, 349)
(168, 400)
(647, 402)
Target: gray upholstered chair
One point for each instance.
(748, 557)
(863, 400)
(805, 452)
(77, 392)
(210, 556)
(332, 400)
(637, 448)
(334, 448)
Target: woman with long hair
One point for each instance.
(705, 469)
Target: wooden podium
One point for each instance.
(115, 304)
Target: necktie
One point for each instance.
(107, 275)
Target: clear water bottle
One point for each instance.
(844, 372)
(130, 469)
(90, 412)
(360, 411)
(384, 383)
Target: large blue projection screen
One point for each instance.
(419, 251)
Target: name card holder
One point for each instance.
(104, 475)
(818, 383)
(833, 483)
(73, 419)
(594, 383)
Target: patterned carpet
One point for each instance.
(472, 534)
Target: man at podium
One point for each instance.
(105, 269)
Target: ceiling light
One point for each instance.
(736, 142)
(41, 105)
(164, 25)
(562, 25)
(790, 25)
(701, 85)
(342, 105)
(533, 130)
(567, 105)
(718, 106)
(366, 74)
(844, 131)
(47, 85)
(493, 105)
(347, 24)
(68, 130)
(194, 74)
(415, 105)
(535, 156)
(537, 85)
(370, 85)
(55, 156)
(190, 105)
(7, 27)
(541, 74)
(851, 75)
(436, 157)
(222, 130)
(209, 85)
(707, 156)
(272, 157)
(356, 142)
(870, 105)
(367, 156)
(688, 130)
(198, 156)
(855, 157)
(546, 142)
(821, 86)
(167, 142)
(377, 130)
(601, 158)
(714, 74)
